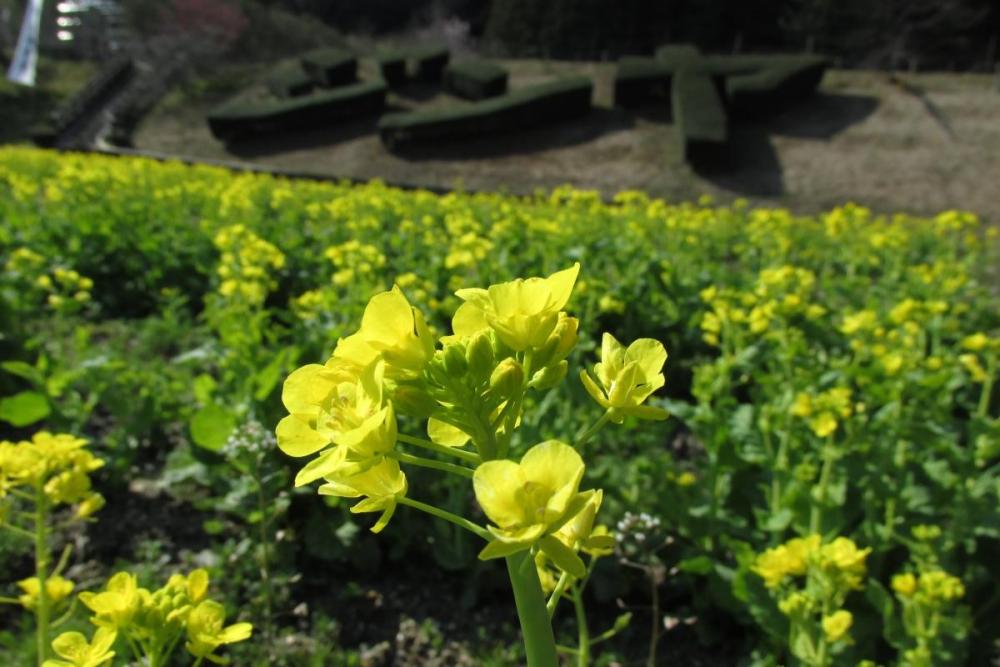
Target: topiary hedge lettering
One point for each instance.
(331, 67)
(475, 79)
(699, 114)
(555, 101)
(237, 119)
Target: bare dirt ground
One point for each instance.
(916, 143)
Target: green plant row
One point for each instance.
(825, 491)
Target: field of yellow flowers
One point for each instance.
(825, 490)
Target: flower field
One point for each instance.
(176, 341)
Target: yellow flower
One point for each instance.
(789, 559)
(976, 342)
(824, 424)
(393, 330)
(939, 585)
(57, 590)
(530, 500)
(78, 652)
(579, 532)
(381, 486)
(626, 377)
(836, 625)
(117, 604)
(522, 312)
(802, 406)
(206, 631)
(904, 584)
(686, 479)
(331, 405)
(975, 369)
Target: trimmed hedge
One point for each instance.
(699, 115)
(676, 56)
(289, 81)
(555, 101)
(236, 119)
(780, 83)
(423, 63)
(475, 79)
(640, 79)
(331, 67)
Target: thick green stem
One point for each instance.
(41, 572)
(447, 516)
(583, 633)
(536, 629)
(431, 463)
(468, 457)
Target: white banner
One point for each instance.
(22, 67)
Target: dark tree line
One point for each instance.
(876, 33)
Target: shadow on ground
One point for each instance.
(574, 132)
(822, 116)
(747, 164)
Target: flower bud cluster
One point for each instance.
(57, 465)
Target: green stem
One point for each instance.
(431, 463)
(984, 397)
(265, 559)
(6, 600)
(557, 592)
(582, 439)
(824, 482)
(583, 633)
(447, 516)
(469, 457)
(41, 572)
(536, 629)
(654, 637)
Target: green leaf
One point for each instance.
(211, 427)
(269, 376)
(696, 565)
(564, 557)
(24, 408)
(204, 387)
(24, 370)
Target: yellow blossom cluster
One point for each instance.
(155, 621)
(62, 288)
(246, 264)
(57, 466)
(353, 260)
(823, 411)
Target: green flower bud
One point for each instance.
(560, 342)
(549, 376)
(413, 401)
(507, 377)
(479, 355)
(454, 361)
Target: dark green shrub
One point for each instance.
(331, 67)
(429, 63)
(640, 79)
(535, 105)
(392, 65)
(289, 80)
(236, 118)
(699, 114)
(475, 79)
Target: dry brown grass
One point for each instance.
(921, 144)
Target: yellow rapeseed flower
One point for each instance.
(522, 312)
(206, 630)
(76, 651)
(625, 377)
(836, 625)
